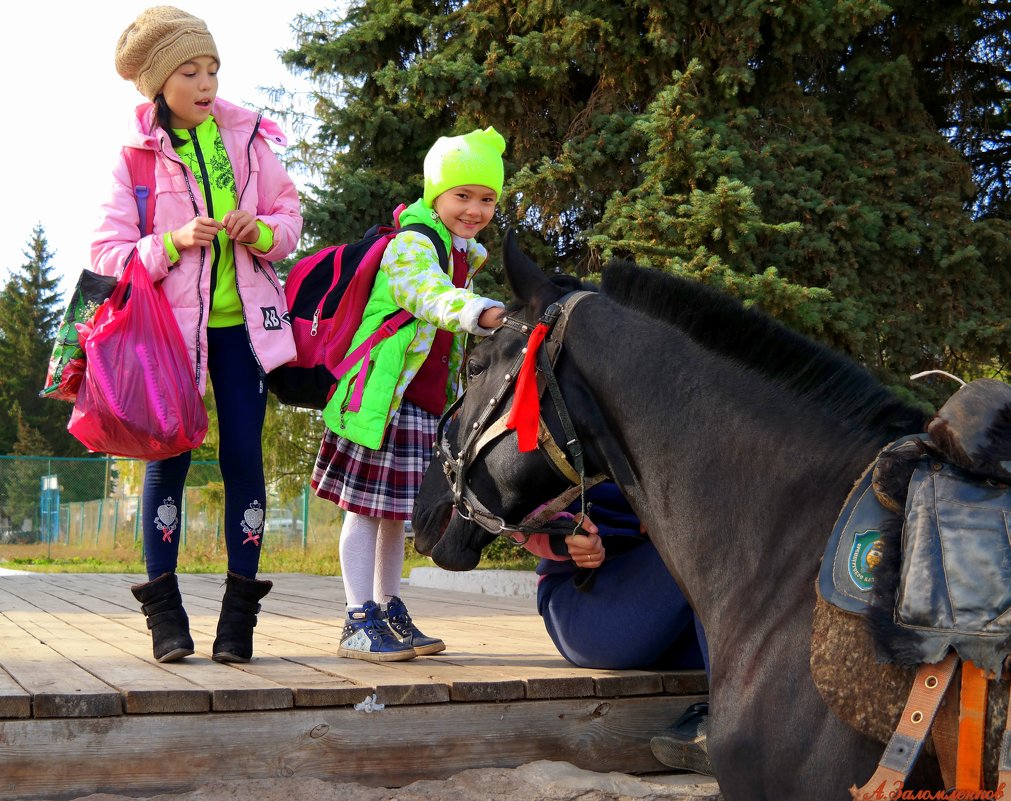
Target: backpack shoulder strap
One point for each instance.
(431, 233)
(140, 162)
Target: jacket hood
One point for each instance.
(227, 115)
(421, 212)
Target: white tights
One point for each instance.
(372, 558)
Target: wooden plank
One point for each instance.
(15, 701)
(71, 758)
(471, 624)
(146, 687)
(229, 689)
(461, 683)
(33, 656)
(505, 657)
(310, 644)
(58, 687)
(391, 685)
(333, 681)
(685, 682)
(550, 677)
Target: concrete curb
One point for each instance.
(506, 583)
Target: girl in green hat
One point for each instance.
(378, 442)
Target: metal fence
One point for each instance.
(95, 503)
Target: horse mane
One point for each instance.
(721, 323)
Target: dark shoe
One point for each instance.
(170, 628)
(400, 623)
(234, 640)
(366, 636)
(683, 745)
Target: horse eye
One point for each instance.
(474, 369)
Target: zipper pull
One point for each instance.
(315, 323)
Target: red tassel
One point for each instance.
(525, 415)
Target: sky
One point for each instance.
(65, 110)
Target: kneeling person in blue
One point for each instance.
(608, 601)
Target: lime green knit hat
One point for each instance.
(474, 158)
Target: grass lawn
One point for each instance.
(321, 560)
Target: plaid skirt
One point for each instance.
(378, 483)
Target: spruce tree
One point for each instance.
(30, 312)
(841, 165)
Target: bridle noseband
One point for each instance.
(486, 430)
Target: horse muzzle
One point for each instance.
(459, 548)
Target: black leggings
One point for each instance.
(241, 400)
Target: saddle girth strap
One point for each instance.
(944, 733)
(906, 742)
(971, 728)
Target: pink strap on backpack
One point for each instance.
(140, 162)
(385, 331)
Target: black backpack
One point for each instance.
(326, 294)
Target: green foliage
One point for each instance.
(503, 554)
(841, 165)
(322, 560)
(30, 311)
(291, 439)
(838, 207)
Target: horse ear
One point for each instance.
(528, 282)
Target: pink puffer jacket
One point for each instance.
(264, 189)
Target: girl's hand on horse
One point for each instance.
(586, 550)
(491, 318)
(241, 226)
(198, 232)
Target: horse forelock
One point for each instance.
(721, 323)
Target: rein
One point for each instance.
(485, 431)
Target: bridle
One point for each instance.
(486, 430)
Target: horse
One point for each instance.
(736, 441)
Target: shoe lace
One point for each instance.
(374, 629)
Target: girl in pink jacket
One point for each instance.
(224, 209)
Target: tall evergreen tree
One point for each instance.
(30, 312)
(818, 183)
(799, 155)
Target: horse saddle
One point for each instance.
(936, 576)
(922, 550)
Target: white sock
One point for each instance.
(358, 557)
(389, 560)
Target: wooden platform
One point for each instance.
(84, 708)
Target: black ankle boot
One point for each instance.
(170, 628)
(234, 642)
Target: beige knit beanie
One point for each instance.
(156, 43)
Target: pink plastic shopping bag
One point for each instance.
(139, 397)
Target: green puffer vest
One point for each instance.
(389, 359)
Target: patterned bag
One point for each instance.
(66, 365)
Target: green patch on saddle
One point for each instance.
(865, 556)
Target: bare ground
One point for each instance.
(536, 781)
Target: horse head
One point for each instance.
(479, 474)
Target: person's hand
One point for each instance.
(241, 226)
(586, 550)
(491, 318)
(198, 232)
